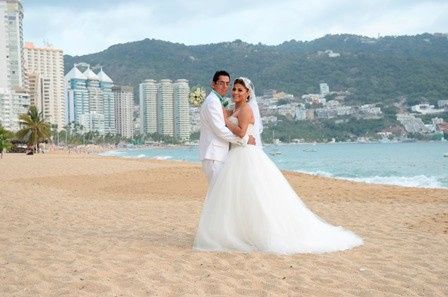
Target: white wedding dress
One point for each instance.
(252, 207)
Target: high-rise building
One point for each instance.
(181, 115)
(124, 107)
(45, 68)
(165, 108)
(11, 45)
(4, 49)
(106, 85)
(14, 99)
(148, 106)
(77, 97)
(90, 98)
(93, 88)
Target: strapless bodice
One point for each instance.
(250, 128)
(249, 131)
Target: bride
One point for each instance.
(252, 207)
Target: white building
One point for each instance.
(124, 107)
(165, 120)
(14, 99)
(181, 116)
(370, 109)
(148, 106)
(300, 115)
(324, 89)
(12, 74)
(92, 121)
(45, 68)
(426, 109)
(442, 103)
(412, 124)
(164, 108)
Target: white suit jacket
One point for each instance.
(215, 136)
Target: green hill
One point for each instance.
(385, 69)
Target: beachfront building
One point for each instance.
(92, 121)
(148, 106)
(165, 119)
(108, 102)
(181, 116)
(164, 108)
(45, 68)
(14, 99)
(89, 97)
(77, 97)
(124, 107)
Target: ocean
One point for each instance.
(419, 164)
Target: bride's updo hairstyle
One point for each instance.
(241, 82)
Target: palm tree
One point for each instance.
(34, 128)
(5, 137)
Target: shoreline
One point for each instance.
(418, 180)
(98, 150)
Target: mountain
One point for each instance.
(385, 69)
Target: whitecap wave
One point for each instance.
(318, 172)
(162, 157)
(418, 181)
(136, 156)
(113, 154)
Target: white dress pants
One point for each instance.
(211, 169)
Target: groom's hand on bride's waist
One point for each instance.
(251, 140)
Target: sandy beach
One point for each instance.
(84, 225)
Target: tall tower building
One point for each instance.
(181, 116)
(14, 98)
(77, 96)
(148, 106)
(90, 99)
(108, 100)
(11, 45)
(93, 88)
(45, 68)
(165, 108)
(124, 107)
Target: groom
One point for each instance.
(215, 136)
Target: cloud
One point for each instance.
(81, 27)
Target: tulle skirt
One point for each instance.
(252, 207)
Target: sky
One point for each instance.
(81, 27)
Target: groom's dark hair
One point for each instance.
(219, 73)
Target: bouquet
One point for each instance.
(197, 96)
(226, 102)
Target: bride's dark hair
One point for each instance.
(241, 82)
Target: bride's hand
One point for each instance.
(226, 120)
(227, 113)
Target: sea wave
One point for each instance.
(113, 154)
(136, 156)
(162, 157)
(319, 173)
(418, 181)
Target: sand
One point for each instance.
(83, 225)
